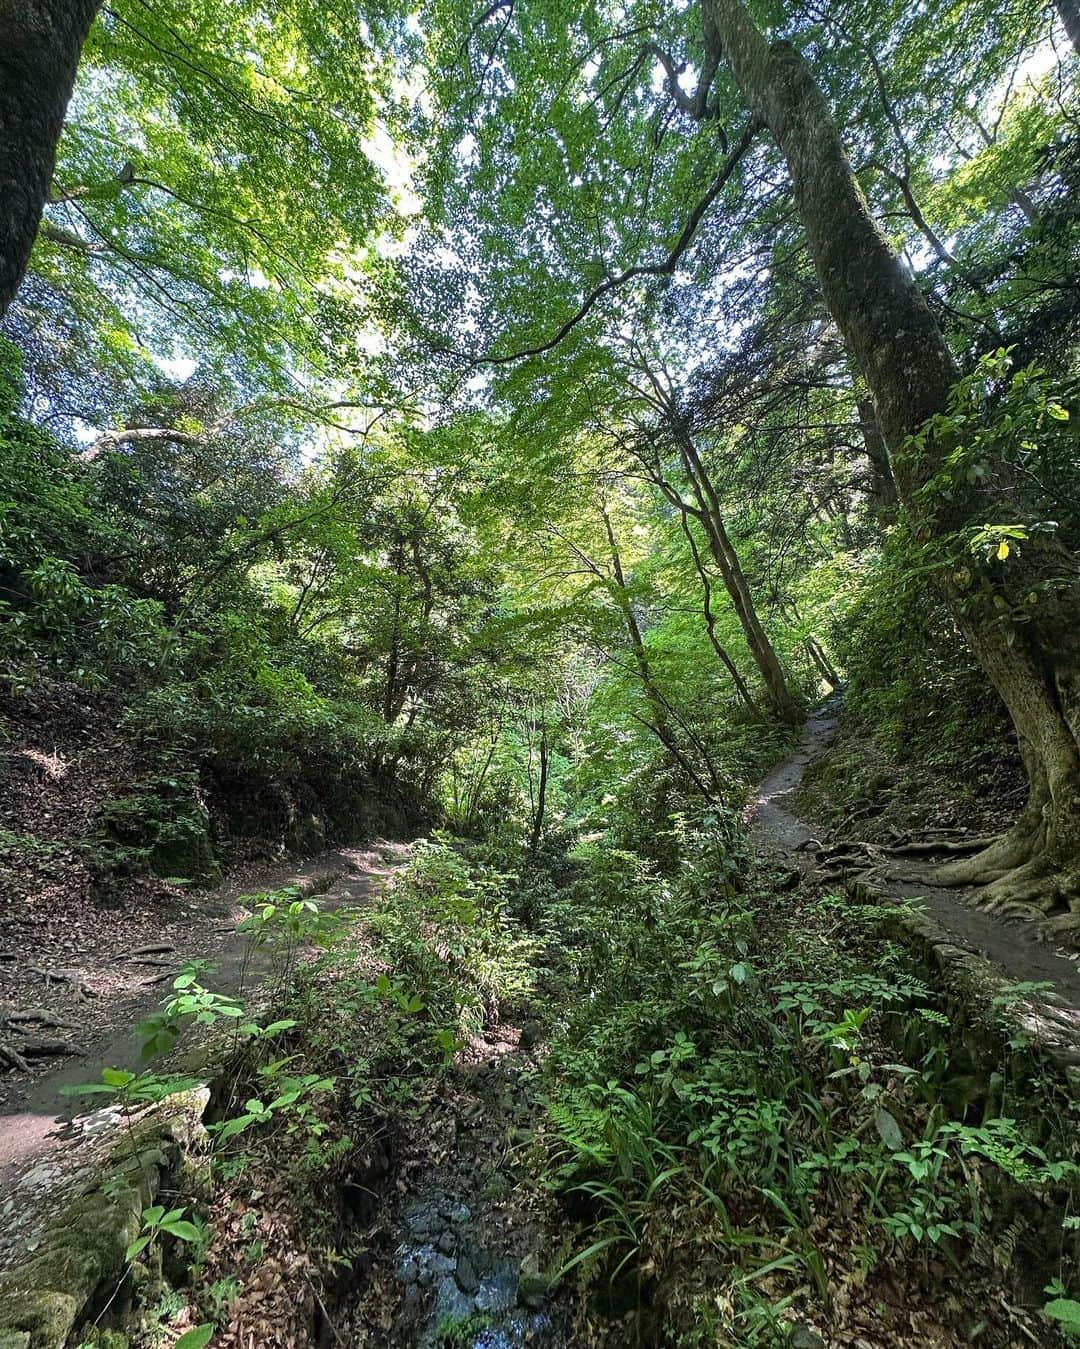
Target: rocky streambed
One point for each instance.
(473, 1243)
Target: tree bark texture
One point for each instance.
(40, 45)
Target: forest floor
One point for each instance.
(88, 977)
(450, 1225)
(457, 1235)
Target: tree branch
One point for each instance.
(665, 267)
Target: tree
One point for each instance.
(40, 44)
(896, 343)
(909, 369)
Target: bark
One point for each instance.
(908, 368)
(882, 493)
(663, 716)
(710, 618)
(541, 791)
(40, 45)
(1069, 13)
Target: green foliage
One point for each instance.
(159, 827)
(157, 1222)
(717, 1072)
(447, 928)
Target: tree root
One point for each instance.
(1037, 886)
(11, 1056)
(65, 976)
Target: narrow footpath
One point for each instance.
(45, 1143)
(1011, 945)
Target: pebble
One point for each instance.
(40, 1175)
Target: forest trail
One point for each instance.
(103, 995)
(778, 830)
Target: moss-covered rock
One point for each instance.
(81, 1258)
(161, 826)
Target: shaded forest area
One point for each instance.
(626, 457)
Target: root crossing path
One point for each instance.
(1011, 945)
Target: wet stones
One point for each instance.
(447, 1270)
(467, 1278)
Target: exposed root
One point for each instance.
(1038, 885)
(1005, 855)
(65, 976)
(11, 1056)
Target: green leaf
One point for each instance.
(1065, 1310)
(276, 1027)
(888, 1129)
(198, 1338)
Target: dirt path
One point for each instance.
(102, 996)
(1010, 944)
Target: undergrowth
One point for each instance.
(757, 1112)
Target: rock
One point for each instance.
(532, 1286)
(805, 1337)
(466, 1275)
(532, 1290)
(446, 1242)
(81, 1255)
(460, 1213)
(425, 1221)
(531, 1034)
(410, 1271)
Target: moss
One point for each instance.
(83, 1253)
(160, 826)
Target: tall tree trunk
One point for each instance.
(40, 45)
(663, 715)
(541, 791)
(786, 704)
(882, 487)
(710, 618)
(903, 357)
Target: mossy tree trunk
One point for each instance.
(40, 45)
(904, 359)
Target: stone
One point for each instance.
(531, 1034)
(467, 1279)
(805, 1337)
(532, 1286)
(446, 1242)
(410, 1271)
(532, 1290)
